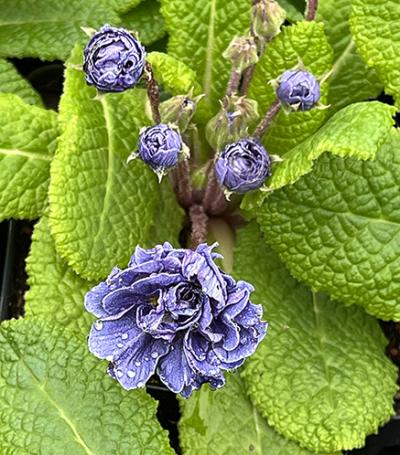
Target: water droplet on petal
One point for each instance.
(119, 373)
(154, 355)
(98, 325)
(120, 345)
(109, 358)
(213, 371)
(137, 363)
(140, 384)
(124, 336)
(146, 359)
(131, 374)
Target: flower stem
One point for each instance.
(214, 201)
(182, 185)
(199, 221)
(233, 85)
(153, 93)
(267, 120)
(311, 10)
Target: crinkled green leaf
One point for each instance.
(101, 207)
(146, 20)
(168, 221)
(320, 376)
(226, 422)
(199, 32)
(28, 137)
(57, 399)
(305, 42)
(351, 79)
(358, 131)
(175, 76)
(338, 229)
(12, 82)
(49, 30)
(294, 9)
(123, 6)
(375, 27)
(55, 291)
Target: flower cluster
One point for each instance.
(113, 60)
(174, 312)
(243, 166)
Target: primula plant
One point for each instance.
(216, 216)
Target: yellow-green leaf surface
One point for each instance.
(351, 80)
(375, 26)
(338, 229)
(199, 32)
(101, 207)
(56, 292)
(303, 42)
(320, 376)
(49, 29)
(357, 131)
(147, 20)
(175, 76)
(28, 136)
(123, 6)
(294, 9)
(12, 82)
(225, 422)
(56, 399)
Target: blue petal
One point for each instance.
(94, 297)
(174, 370)
(135, 366)
(109, 338)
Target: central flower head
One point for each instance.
(174, 312)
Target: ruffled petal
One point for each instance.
(94, 298)
(110, 338)
(134, 366)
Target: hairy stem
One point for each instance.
(214, 201)
(266, 121)
(233, 85)
(182, 185)
(199, 221)
(311, 10)
(153, 93)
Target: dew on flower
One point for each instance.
(98, 325)
(124, 336)
(131, 373)
(138, 363)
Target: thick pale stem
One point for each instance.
(214, 201)
(153, 93)
(233, 85)
(199, 222)
(311, 10)
(267, 120)
(182, 184)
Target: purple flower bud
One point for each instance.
(243, 166)
(159, 146)
(173, 312)
(298, 89)
(113, 60)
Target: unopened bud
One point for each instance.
(268, 17)
(179, 110)
(242, 52)
(232, 122)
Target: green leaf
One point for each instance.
(199, 32)
(56, 292)
(101, 207)
(175, 76)
(338, 229)
(294, 9)
(358, 131)
(123, 6)
(374, 25)
(147, 20)
(351, 79)
(169, 218)
(225, 422)
(49, 30)
(28, 137)
(320, 376)
(57, 399)
(305, 42)
(12, 82)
